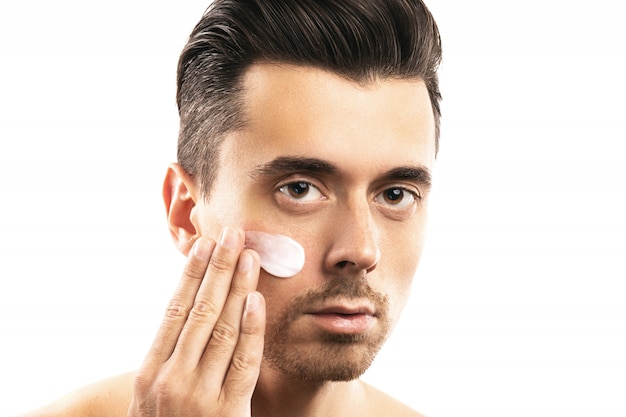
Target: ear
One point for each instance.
(180, 196)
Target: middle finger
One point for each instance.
(210, 299)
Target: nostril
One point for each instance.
(371, 268)
(366, 261)
(342, 264)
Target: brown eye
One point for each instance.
(397, 197)
(301, 190)
(393, 195)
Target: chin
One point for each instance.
(340, 357)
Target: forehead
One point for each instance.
(307, 112)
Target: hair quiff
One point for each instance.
(360, 40)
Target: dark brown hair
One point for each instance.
(361, 40)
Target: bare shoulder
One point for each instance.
(109, 397)
(382, 404)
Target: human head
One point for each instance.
(343, 169)
(359, 40)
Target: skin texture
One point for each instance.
(310, 113)
(344, 170)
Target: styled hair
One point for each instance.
(361, 40)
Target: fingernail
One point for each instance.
(202, 249)
(253, 302)
(229, 238)
(245, 262)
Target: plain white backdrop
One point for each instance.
(518, 308)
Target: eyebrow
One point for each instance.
(287, 164)
(418, 174)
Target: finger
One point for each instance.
(245, 365)
(182, 301)
(210, 300)
(226, 332)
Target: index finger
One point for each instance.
(181, 302)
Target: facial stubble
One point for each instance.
(335, 356)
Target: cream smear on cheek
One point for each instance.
(280, 255)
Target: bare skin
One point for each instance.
(360, 218)
(111, 397)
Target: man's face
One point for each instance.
(344, 170)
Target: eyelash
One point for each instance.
(302, 183)
(406, 192)
(379, 197)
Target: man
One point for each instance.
(317, 120)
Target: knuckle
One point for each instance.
(224, 333)
(176, 310)
(240, 288)
(221, 265)
(146, 396)
(253, 329)
(166, 390)
(243, 361)
(203, 309)
(142, 383)
(171, 392)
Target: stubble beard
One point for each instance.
(335, 357)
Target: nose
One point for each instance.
(354, 240)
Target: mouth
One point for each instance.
(344, 318)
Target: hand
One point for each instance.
(206, 357)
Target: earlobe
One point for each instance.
(179, 196)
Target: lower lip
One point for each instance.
(344, 323)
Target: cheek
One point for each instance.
(279, 292)
(398, 292)
(399, 265)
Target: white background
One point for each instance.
(518, 308)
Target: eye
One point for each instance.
(302, 191)
(397, 197)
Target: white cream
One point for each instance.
(280, 255)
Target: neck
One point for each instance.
(279, 395)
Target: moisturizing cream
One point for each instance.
(280, 255)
